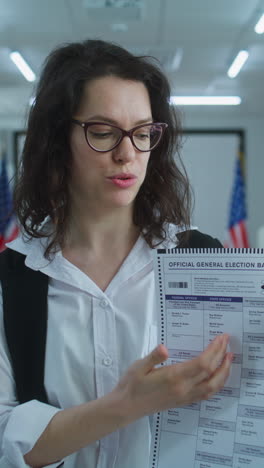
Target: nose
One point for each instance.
(125, 151)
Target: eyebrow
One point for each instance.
(115, 122)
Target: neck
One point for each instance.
(95, 231)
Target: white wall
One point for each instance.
(210, 160)
(254, 136)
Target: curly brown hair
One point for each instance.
(42, 188)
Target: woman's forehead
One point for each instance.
(113, 94)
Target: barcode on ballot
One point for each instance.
(179, 284)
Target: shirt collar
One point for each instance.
(34, 248)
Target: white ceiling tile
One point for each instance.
(207, 33)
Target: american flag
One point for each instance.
(237, 231)
(8, 225)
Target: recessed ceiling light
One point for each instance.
(32, 100)
(259, 28)
(238, 63)
(205, 100)
(177, 58)
(22, 65)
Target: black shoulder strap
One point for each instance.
(25, 322)
(196, 239)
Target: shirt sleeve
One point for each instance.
(21, 425)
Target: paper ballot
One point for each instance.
(203, 293)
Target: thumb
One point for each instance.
(157, 356)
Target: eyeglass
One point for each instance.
(104, 137)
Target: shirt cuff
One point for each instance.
(25, 425)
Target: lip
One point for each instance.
(123, 180)
(123, 175)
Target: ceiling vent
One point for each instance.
(114, 10)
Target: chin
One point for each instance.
(124, 200)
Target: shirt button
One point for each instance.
(107, 361)
(103, 303)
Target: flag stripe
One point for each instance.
(8, 224)
(238, 236)
(233, 236)
(237, 231)
(244, 235)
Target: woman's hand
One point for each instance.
(146, 389)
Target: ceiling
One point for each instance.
(195, 40)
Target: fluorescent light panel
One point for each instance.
(32, 100)
(205, 100)
(22, 65)
(237, 64)
(259, 28)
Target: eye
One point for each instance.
(143, 133)
(100, 132)
(101, 135)
(143, 136)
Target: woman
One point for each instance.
(97, 191)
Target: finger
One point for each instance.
(157, 356)
(216, 344)
(216, 353)
(209, 387)
(218, 379)
(213, 355)
(206, 363)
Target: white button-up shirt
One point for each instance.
(92, 338)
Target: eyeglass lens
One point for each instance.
(104, 137)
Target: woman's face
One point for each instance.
(95, 181)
